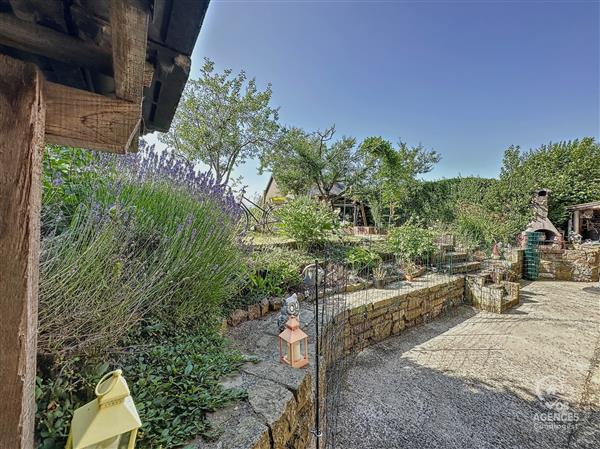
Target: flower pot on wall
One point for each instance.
(379, 283)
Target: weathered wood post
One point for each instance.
(22, 120)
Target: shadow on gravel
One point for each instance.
(390, 401)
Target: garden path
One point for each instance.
(482, 380)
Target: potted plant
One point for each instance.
(379, 274)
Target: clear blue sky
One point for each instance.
(466, 78)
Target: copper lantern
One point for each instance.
(293, 344)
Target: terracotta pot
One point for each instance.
(409, 277)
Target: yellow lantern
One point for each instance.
(293, 344)
(110, 421)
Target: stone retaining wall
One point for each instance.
(279, 412)
(370, 323)
(491, 297)
(581, 264)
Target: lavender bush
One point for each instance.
(149, 236)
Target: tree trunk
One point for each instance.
(22, 118)
(364, 213)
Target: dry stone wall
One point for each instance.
(279, 412)
(580, 265)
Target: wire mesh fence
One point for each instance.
(343, 290)
(531, 266)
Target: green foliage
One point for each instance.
(222, 121)
(118, 253)
(274, 271)
(476, 227)
(302, 161)
(173, 376)
(66, 180)
(362, 258)
(411, 242)
(481, 211)
(389, 175)
(174, 381)
(442, 200)
(306, 221)
(571, 170)
(156, 250)
(58, 394)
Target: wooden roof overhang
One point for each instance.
(112, 68)
(85, 73)
(584, 206)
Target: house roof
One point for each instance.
(337, 189)
(71, 43)
(584, 206)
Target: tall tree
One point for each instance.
(301, 161)
(222, 120)
(389, 174)
(570, 169)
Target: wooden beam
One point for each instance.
(82, 119)
(129, 25)
(41, 40)
(21, 145)
(45, 41)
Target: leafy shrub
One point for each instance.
(174, 381)
(362, 258)
(156, 249)
(410, 242)
(173, 376)
(306, 221)
(476, 227)
(143, 237)
(271, 272)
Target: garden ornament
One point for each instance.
(293, 344)
(308, 275)
(496, 251)
(289, 308)
(110, 421)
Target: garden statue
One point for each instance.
(289, 308)
(496, 251)
(575, 238)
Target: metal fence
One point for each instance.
(337, 286)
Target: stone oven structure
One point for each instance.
(541, 222)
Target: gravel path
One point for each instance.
(480, 380)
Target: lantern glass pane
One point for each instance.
(296, 351)
(116, 442)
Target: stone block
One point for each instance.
(275, 304)
(398, 326)
(414, 302)
(383, 303)
(376, 313)
(277, 406)
(411, 314)
(382, 331)
(264, 307)
(253, 311)
(398, 315)
(238, 316)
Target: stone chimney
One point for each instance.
(540, 222)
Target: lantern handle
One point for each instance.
(114, 374)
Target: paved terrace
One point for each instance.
(471, 379)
